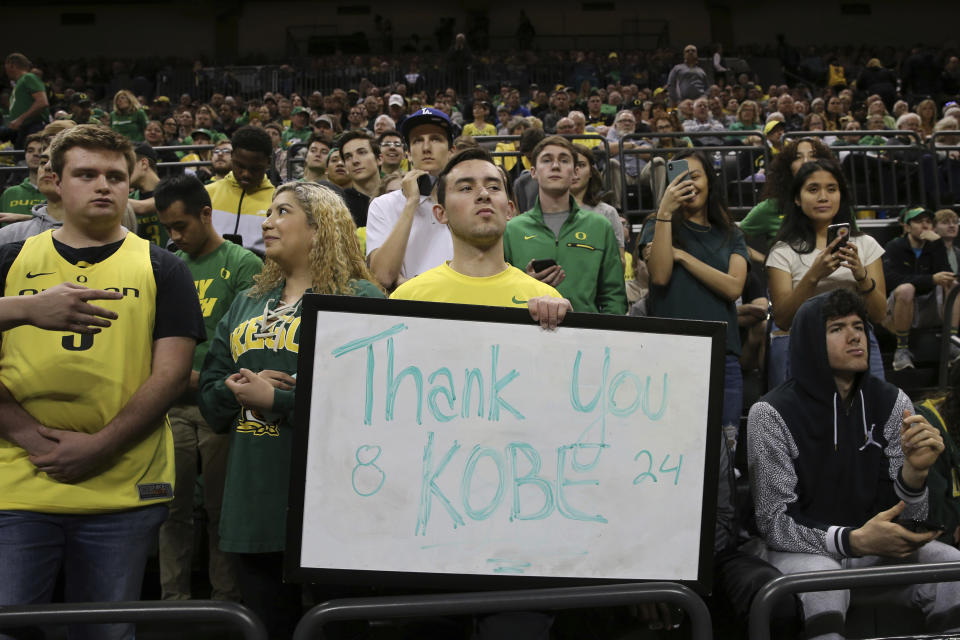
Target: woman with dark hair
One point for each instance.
(587, 188)
(764, 219)
(154, 136)
(480, 126)
(697, 260)
(802, 264)
(170, 131)
(834, 113)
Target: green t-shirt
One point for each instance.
(291, 136)
(763, 220)
(219, 276)
(131, 125)
(21, 198)
(22, 98)
(685, 296)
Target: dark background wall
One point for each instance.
(226, 30)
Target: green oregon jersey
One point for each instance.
(219, 276)
(80, 382)
(256, 333)
(21, 198)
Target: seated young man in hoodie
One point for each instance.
(836, 457)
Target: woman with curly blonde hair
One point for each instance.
(128, 117)
(247, 385)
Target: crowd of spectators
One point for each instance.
(364, 168)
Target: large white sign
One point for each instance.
(493, 448)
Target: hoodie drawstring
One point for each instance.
(834, 421)
(272, 321)
(867, 433)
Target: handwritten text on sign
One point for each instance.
(449, 446)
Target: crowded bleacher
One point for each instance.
(818, 211)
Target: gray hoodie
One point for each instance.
(20, 231)
(41, 221)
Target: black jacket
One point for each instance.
(819, 466)
(901, 265)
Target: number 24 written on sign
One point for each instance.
(648, 474)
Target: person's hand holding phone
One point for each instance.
(850, 258)
(944, 279)
(678, 192)
(551, 275)
(826, 262)
(409, 184)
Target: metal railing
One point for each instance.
(185, 612)
(945, 335)
(295, 161)
(773, 591)
(945, 170)
(736, 166)
(16, 155)
(886, 176)
(503, 601)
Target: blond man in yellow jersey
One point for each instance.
(86, 462)
(472, 201)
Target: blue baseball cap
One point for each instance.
(426, 115)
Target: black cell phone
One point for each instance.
(841, 230)
(675, 168)
(919, 526)
(540, 265)
(425, 184)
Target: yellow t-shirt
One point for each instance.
(509, 288)
(589, 143)
(470, 129)
(79, 382)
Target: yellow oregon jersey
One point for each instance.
(509, 288)
(80, 382)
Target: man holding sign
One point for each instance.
(838, 468)
(472, 201)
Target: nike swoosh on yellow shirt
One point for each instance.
(526, 237)
(515, 301)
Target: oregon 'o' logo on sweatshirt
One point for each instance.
(253, 423)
